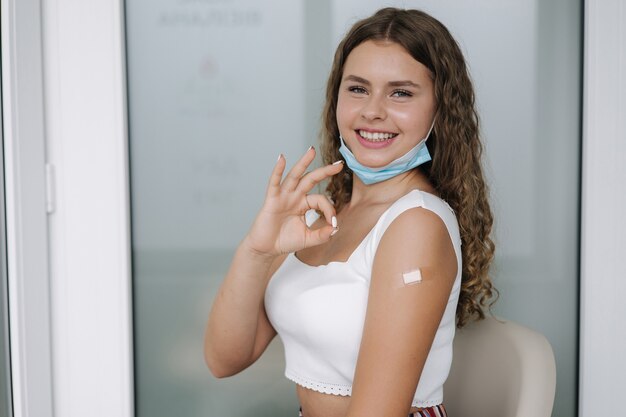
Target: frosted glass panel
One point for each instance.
(217, 88)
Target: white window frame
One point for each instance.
(88, 276)
(603, 229)
(86, 137)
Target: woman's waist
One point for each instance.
(319, 404)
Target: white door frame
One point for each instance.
(88, 230)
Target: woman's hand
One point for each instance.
(280, 226)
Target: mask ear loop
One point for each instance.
(430, 130)
(432, 126)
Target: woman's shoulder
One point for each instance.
(419, 199)
(418, 211)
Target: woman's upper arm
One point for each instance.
(265, 331)
(402, 319)
(264, 335)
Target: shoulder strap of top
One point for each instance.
(413, 199)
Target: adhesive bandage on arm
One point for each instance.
(412, 277)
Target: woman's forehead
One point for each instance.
(384, 60)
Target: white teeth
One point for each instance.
(376, 137)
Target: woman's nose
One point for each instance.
(374, 108)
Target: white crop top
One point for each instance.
(319, 312)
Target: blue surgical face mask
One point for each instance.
(414, 157)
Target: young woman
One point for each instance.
(366, 296)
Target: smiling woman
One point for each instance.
(359, 339)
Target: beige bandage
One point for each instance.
(413, 277)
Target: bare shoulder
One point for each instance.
(416, 226)
(418, 239)
(418, 220)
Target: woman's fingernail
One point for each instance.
(338, 162)
(280, 155)
(310, 147)
(333, 232)
(333, 221)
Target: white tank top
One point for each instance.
(319, 312)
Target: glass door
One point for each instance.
(218, 88)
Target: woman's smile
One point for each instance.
(375, 139)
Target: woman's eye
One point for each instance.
(401, 93)
(356, 89)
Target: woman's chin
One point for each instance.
(373, 163)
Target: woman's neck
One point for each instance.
(389, 190)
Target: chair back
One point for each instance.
(500, 369)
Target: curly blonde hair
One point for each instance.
(454, 144)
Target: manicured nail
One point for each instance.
(333, 232)
(280, 155)
(333, 221)
(338, 162)
(310, 147)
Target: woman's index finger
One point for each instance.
(293, 176)
(277, 174)
(310, 180)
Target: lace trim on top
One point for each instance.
(426, 404)
(345, 390)
(325, 388)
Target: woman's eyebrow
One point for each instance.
(356, 79)
(403, 83)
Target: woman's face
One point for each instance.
(386, 102)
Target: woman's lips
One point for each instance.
(374, 144)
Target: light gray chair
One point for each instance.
(500, 369)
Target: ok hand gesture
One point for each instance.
(280, 226)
